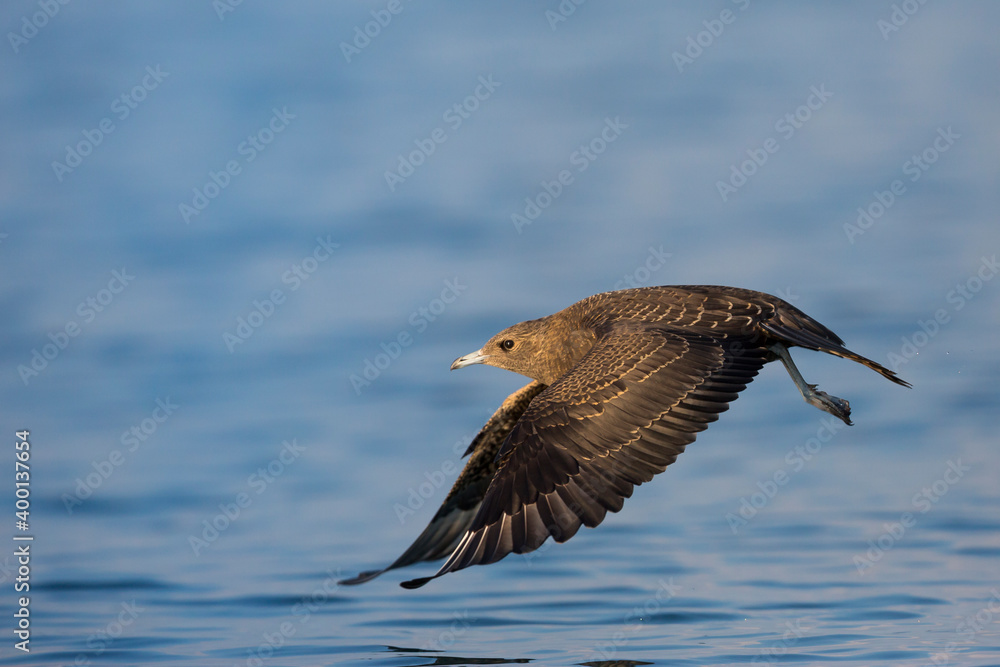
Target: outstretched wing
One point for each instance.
(452, 520)
(616, 419)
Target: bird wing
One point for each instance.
(616, 419)
(459, 508)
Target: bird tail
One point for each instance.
(793, 327)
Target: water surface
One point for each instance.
(232, 252)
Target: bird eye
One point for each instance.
(507, 344)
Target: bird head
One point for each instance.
(542, 349)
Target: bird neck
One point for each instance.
(566, 344)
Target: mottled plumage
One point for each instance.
(460, 506)
(623, 381)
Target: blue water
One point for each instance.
(244, 254)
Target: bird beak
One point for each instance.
(476, 357)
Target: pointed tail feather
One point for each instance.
(812, 335)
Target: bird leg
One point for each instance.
(838, 407)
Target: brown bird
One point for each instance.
(621, 384)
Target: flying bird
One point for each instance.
(621, 382)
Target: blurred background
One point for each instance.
(241, 243)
